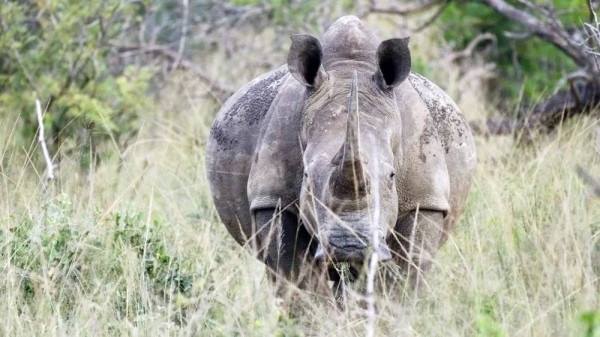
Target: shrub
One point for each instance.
(60, 52)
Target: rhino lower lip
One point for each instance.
(383, 254)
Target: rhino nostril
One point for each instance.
(346, 254)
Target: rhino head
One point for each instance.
(350, 133)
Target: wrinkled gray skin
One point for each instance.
(308, 161)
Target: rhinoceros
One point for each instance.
(342, 153)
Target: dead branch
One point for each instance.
(593, 16)
(184, 25)
(433, 18)
(41, 139)
(468, 51)
(373, 263)
(545, 116)
(371, 314)
(549, 30)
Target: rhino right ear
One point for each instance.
(304, 60)
(393, 61)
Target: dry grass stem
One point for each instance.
(49, 176)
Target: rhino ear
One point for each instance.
(304, 60)
(393, 61)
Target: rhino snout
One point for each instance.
(349, 253)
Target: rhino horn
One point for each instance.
(350, 174)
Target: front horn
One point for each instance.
(350, 178)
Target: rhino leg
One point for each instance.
(416, 240)
(287, 251)
(284, 240)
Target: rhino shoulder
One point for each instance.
(452, 128)
(246, 108)
(276, 173)
(455, 139)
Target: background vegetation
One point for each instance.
(528, 67)
(125, 240)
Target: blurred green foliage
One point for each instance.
(60, 52)
(486, 319)
(591, 321)
(68, 54)
(529, 65)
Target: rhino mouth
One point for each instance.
(335, 254)
(347, 263)
(348, 237)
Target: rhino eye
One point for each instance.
(392, 175)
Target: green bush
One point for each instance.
(60, 52)
(67, 251)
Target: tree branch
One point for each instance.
(184, 25)
(183, 63)
(434, 17)
(593, 16)
(468, 51)
(551, 33)
(403, 9)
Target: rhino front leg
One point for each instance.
(416, 240)
(283, 241)
(288, 250)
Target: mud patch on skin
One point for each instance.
(225, 142)
(257, 100)
(428, 135)
(444, 115)
(250, 109)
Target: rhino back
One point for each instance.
(449, 128)
(231, 145)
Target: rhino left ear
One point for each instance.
(304, 60)
(393, 61)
